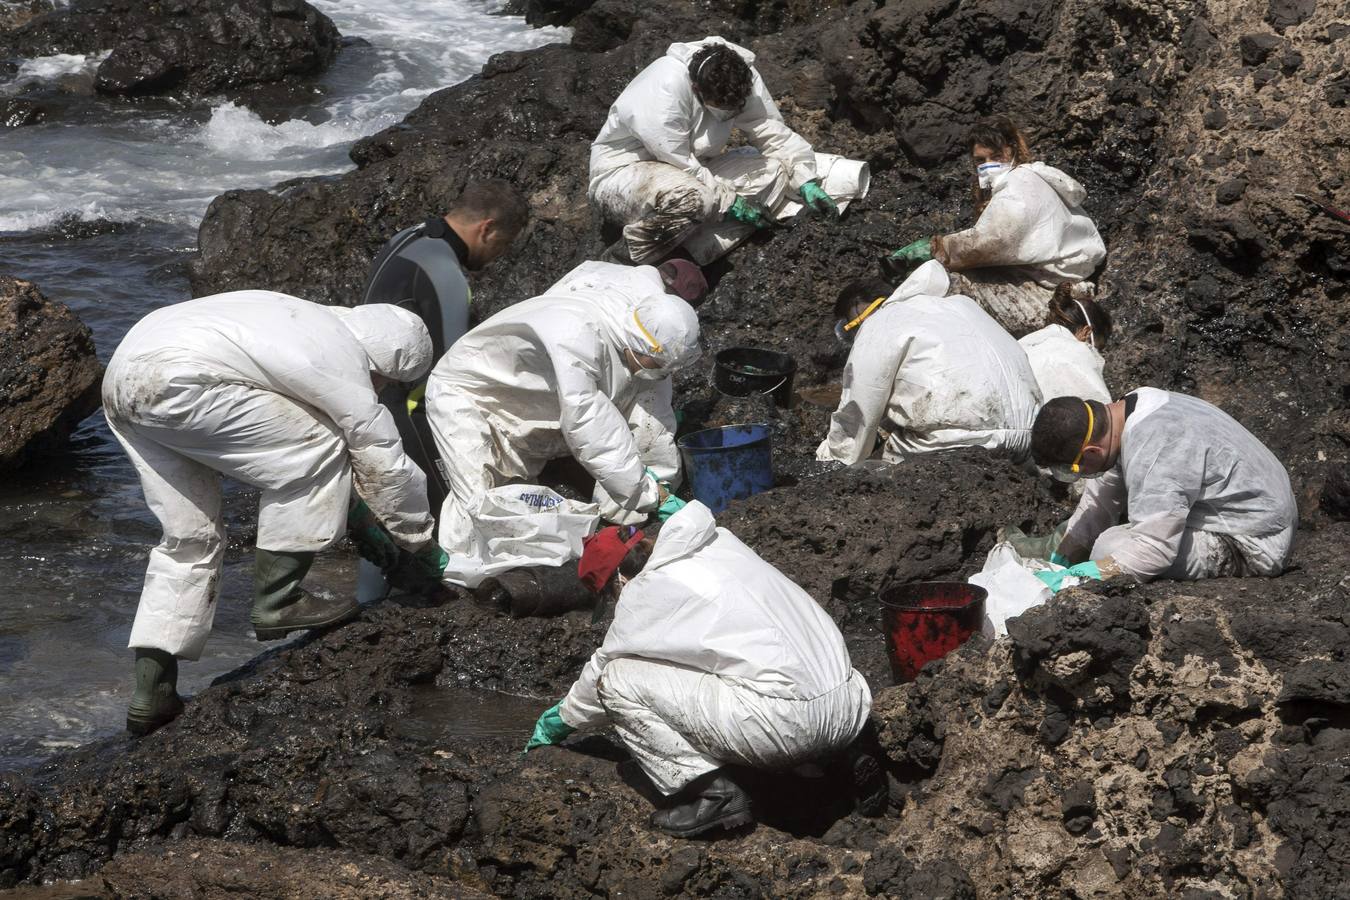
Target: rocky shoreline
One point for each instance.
(1160, 740)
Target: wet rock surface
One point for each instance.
(1158, 740)
(185, 47)
(49, 375)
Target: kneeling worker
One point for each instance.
(714, 658)
(279, 393)
(927, 372)
(1202, 497)
(659, 168)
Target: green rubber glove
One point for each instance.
(550, 729)
(1055, 580)
(431, 561)
(749, 213)
(1058, 559)
(819, 202)
(372, 541)
(672, 505)
(920, 251)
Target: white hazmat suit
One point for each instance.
(1030, 237)
(932, 372)
(714, 658)
(545, 379)
(274, 391)
(1203, 497)
(1064, 365)
(659, 163)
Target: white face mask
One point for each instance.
(641, 372)
(722, 115)
(987, 172)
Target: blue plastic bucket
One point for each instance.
(728, 463)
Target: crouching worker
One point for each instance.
(281, 394)
(927, 372)
(659, 168)
(1200, 495)
(1031, 233)
(553, 377)
(714, 658)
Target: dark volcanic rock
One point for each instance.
(49, 375)
(17, 112)
(185, 46)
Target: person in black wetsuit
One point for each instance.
(424, 269)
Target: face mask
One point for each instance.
(987, 172)
(649, 374)
(723, 115)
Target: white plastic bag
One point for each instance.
(1012, 585)
(522, 525)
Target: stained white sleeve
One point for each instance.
(765, 130)
(664, 123)
(653, 425)
(1100, 508)
(1165, 479)
(869, 380)
(998, 238)
(384, 475)
(581, 707)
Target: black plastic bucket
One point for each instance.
(743, 371)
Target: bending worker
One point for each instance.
(658, 165)
(1201, 496)
(1066, 354)
(279, 393)
(552, 377)
(714, 658)
(1031, 233)
(927, 372)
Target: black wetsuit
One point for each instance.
(422, 269)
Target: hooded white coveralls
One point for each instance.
(1064, 365)
(659, 166)
(1203, 497)
(274, 391)
(544, 379)
(714, 658)
(1031, 236)
(933, 372)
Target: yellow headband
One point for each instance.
(1074, 467)
(656, 345)
(864, 314)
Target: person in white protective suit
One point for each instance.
(1031, 233)
(278, 393)
(1200, 496)
(714, 658)
(927, 372)
(1066, 354)
(659, 165)
(557, 376)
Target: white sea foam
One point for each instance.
(239, 133)
(50, 67)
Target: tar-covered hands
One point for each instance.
(748, 212)
(1055, 580)
(431, 561)
(420, 572)
(372, 541)
(550, 729)
(915, 252)
(819, 202)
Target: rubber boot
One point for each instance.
(281, 606)
(867, 780)
(155, 701)
(711, 801)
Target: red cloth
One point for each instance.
(601, 554)
(685, 279)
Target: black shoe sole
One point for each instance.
(277, 632)
(140, 726)
(871, 790)
(728, 821)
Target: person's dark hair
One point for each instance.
(495, 199)
(721, 77)
(997, 132)
(633, 563)
(860, 292)
(1061, 426)
(1073, 314)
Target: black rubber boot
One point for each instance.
(867, 780)
(710, 801)
(155, 701)
(281, 606)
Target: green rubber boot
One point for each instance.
(155, 701)
(281, 606)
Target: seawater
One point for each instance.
(99, 207)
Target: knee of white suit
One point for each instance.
(1110, 541)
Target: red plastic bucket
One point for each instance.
(927, 620)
